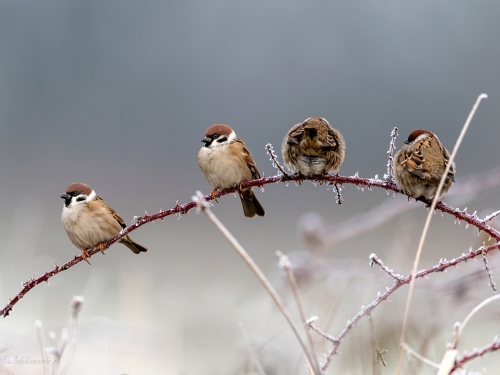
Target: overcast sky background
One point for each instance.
(118, 95)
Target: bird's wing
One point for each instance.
(113, 212)
(247, 157)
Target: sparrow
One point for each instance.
(226, 161)
(313, 147)
(89, 221)
(420, 164)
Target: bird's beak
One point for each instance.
(206, 140)
(65, 196)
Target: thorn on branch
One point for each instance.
(491, 216)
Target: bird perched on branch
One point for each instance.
(226, 161)
(420, 164)
(89, 221)
(313, 147)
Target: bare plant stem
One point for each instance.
(427, 224)
(253, 357)
(414, 354)
(285, 263)
(494, 346)
(466, 189)
(274, 160)
(76, 306)
(366, 310)
(461, 327)
(323, 334)
(487, 269)
(43, 346)
(390, 163)
(491, 216)
(259, 274)
(374, 259)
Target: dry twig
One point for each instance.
(366, 310)
(202, 205)
(428, 222)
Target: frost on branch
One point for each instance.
(274, 160)
(203, 202)
(199, 199)
(389, 176)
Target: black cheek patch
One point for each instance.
(222, 139)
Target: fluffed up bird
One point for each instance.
(89, 221)
(420, 164)
(313, 147)
(226, 161)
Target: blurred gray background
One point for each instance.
(118, 95)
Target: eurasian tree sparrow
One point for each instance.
(89, 221)
(420, 164)
(313, 147)
(226, 162)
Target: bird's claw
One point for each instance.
(100, 247)
(214, 194)
(85, 255)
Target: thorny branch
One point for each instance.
(491, 216)
(488, 273)
(374, 259)
(274, 160)
(366, 310)
(460, 215)
(494, 346)
(310, 324)
(463, 191)
(338, 194)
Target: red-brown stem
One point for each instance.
(475, 354)
(184, 208)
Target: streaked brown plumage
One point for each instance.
(226, 162)
(313, 147)
(89, 220)
(420, 164)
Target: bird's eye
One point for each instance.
(215, 136)
(80, 199)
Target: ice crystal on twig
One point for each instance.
(274, 160)
(374, 259)
(491, 216)
(389, 176)
(338, 195)
(201, 202)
